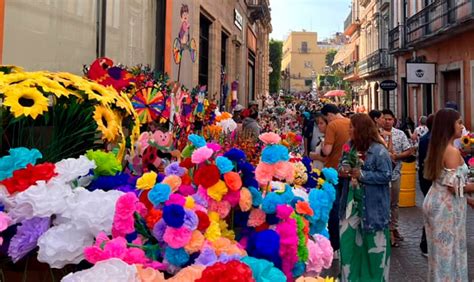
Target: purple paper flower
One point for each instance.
(207, 257)
(26, 237)
(174, 169)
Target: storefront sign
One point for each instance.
(421, 73)
(238, 20)
(388, 85)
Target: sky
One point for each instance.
(326, 17)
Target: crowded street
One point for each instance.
(236, 140)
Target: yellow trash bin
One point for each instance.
(408, 185)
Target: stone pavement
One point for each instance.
(407, 263)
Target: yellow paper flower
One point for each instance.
(320, 182)
(147, 181)
(107, 123)
(189, 204)
(217, 191)
(213, 232)
(25, 101)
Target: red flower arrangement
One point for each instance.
(231, 271)
(24, 178)
(207, 175)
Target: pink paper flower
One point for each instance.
(124, 222)
(177, 237)
(214, 146)
(222, 208)
(284, 211)
(264, 173)
(201, 155)
(256, 218)
(269, 138)
(471, 162)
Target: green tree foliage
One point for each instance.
(276, 54)
(330, 57)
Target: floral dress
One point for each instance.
(445, 224)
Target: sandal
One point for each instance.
(393, 241)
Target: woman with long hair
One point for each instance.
(444, 207)
(366, 171)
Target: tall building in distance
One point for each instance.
(304, 58)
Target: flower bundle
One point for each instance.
(292, 141)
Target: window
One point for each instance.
(204, 25)
(304, 47)
(224, 39)
(308, 82)
(251, 76)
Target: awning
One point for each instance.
(344, 53)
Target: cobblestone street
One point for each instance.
(407, 263)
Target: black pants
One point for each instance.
(333, 223)
(425, 187)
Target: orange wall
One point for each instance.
(458, 48)
(2, 20)
(169, 28)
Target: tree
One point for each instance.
(330, 56)
(276, 54)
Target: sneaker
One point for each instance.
(425, 254)
(335, 256)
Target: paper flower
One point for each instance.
(173, 181)
(107, 163)
(235, 155)
(22, 179)
(224, 164)
(71, 169)
(18, 158)
(177, 237)
(146, 181)
(26, 237)
(207, 175)
(178, 257)
(231, 271)
(196, 140)
(175, 169)
(269, 138)
(233, 180)
(195, 243)
(113, 269)
(159, 194)
(256, 218)
(264, 270)
(217, 191)
(173, 215)
(275, 153)
(201, 155)
(245, 201)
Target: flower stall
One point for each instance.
(96, 200)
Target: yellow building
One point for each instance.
(302, 61)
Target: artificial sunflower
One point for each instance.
(107, 122)
(25, 101)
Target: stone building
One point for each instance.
(303, 60)
(221, 41)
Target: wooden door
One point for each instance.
(452, 87)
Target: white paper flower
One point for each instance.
(63, 244)
(93, 211)
(108, 270)
(71, 169)
(41, 200)
(228, 125)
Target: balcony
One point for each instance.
(364, 3)
(394, 43)
(351, 72)
(439, 19)
(258, 10)
(378, 61)
(351, 24)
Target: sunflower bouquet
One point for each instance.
(62, 114)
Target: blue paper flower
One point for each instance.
(256, 196)
(263, 270)
(177, 257)
(224, 164)
(235, 155)
(108, 182)
(275, 153)
(330, 174)
(197, 140)
(265, 245)
(173, 215)
(246, 168)
(270, 202)
(19, 158)
(299, 269)
(159, 193)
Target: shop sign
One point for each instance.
(388, 85)
(421, 73)
(238, 19)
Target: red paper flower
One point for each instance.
(187, 163)
(207, 175)
(203, 221)
(153, 217)
(186, 179)
(230, 271)
(24, 178)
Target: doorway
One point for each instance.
(404, 100)
(452, 87)
(427, 99)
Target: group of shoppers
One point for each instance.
(363, 223)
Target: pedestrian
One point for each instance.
(318, 141)
(399, 148)
(250, 126)
(307, 132)
(444, 207)
(420, 130)
(378, 118)
(425, 184)
(337, 134)
(365, 206)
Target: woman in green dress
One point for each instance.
(365, 170)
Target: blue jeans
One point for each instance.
(333, 223)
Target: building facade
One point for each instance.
(220, 44)
(433, 39)
(303, 60)
(366, 59)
